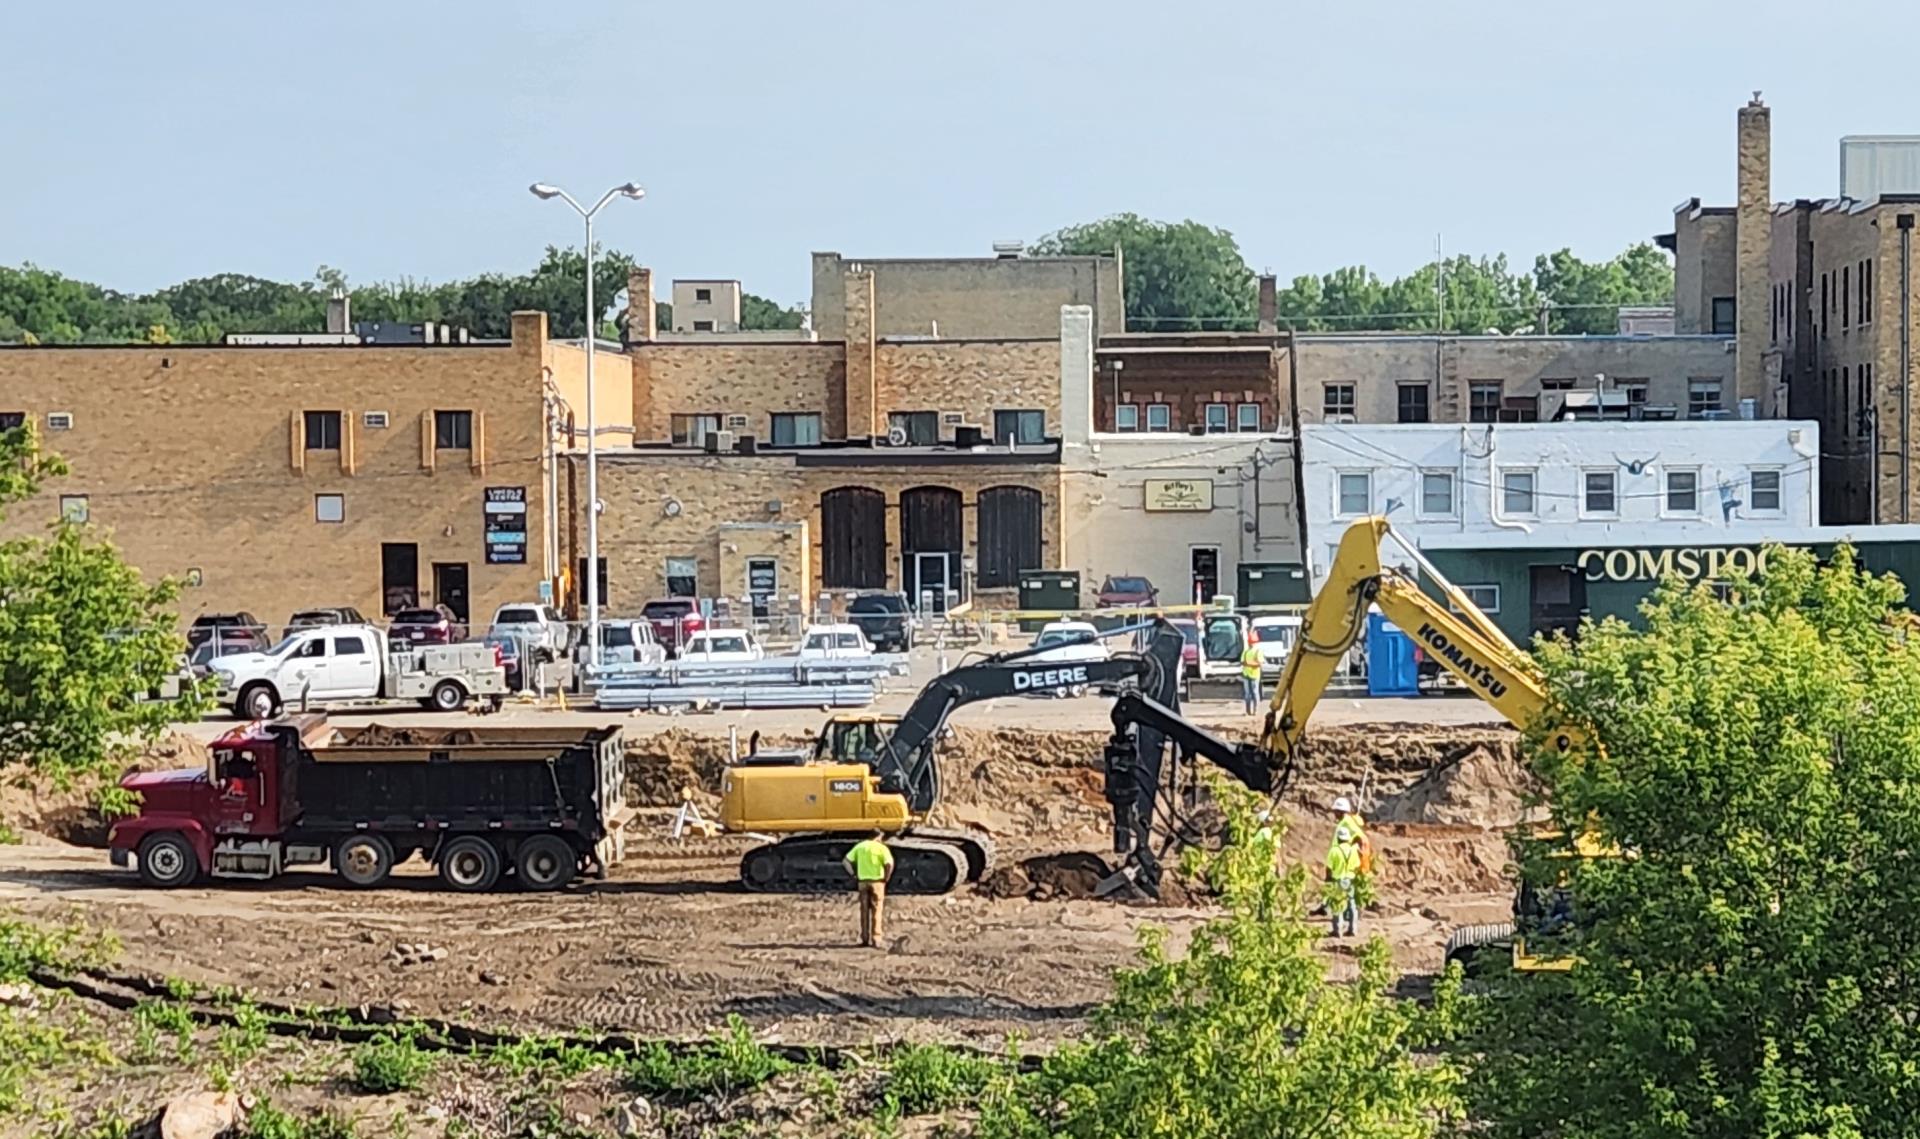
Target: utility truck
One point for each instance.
(340, 664)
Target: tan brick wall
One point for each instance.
(862, 415)
(187, 457)
(754, 380)
(613, 402)
(787, 543)
(1703, 266)
(714, 493)
(974, 378)
(1753, 234)
(972, 297)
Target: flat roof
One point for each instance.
(1659, 535)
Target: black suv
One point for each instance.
(231, 632)
(885, 619)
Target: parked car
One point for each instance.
(545, 634)
(427, 625)
(1125, 592)
(715, 646)
(1274, 636)
(885, 618)
(231, 628)
(674, 619)
(624, 642)
(1069, 642)
(834, 642)
(506, 650)
(219, 642)
(1190, 652)
(314, 618)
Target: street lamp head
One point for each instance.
(543, 191)
(631, 190)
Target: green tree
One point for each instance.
(1243, 1035)
(1585, 296)
(1180, 276)
(1746, 964)
(81, 635)
(759, 313)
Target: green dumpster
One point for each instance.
(1274, 583)
(1047, 589)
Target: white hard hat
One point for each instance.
(1341, 804)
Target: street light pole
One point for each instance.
(544, 192)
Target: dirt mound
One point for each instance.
(1380, 760)
(1072, 874)
(35, 803)
(663, 766)
(1483, 786)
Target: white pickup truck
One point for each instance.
(338, 664)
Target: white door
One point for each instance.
(308, 671)
(354, 667)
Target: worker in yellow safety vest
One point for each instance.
(871, 864)
(1350, 827)
(1343, 867)
(1250, 676)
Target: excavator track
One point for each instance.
(814, 864)
(975, 846)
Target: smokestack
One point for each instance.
(639, 305)
(339, 313)
(1269, 303)
(1753, 233)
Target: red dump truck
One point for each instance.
(483, 805)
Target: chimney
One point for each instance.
(339, 313)
(1753, 233)
(1076, 379)
(639, 305)
(1269, 303)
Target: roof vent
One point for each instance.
(1009, 250)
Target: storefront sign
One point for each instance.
(1690, 563)
(1179, 494)
(506, 525)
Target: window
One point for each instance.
(1246, 417)
(1600, 493)
(1763, 490)
(1683, 492)
(922, 427)
(702, 296)
(1516, 492)
(1863, 380)
(1846, 296)
(1413, 403)
(1216, 418)
(1703, 395)
(1485, 598)
(1520, 409)
(1436, 494)
(329, 508)
(348, 646)
(703, 326)
(692, 430)
(1483, 401)
(453, 430)
(12, 420)
(1826, 305)
(74, 509)
(1126, 417)
(1866, 291)
(323, 431)
(317, 647)
(1356, 492)
(683, 577)
(796, 428)
(1159, 417)
(1723, 316)
(1337, 399)
(1556, 383)
(1020, 426)
(1636, 391)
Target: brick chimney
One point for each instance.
(639, 305)
(1753, 234)
(1269, 303)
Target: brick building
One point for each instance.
(1010, 295)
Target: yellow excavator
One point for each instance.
(867, 772)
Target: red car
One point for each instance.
(426, 626)
(1125, 592)
(673, 619)
(1190, 651)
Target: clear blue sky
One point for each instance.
(146, 143)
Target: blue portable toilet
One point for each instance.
(1391, 669)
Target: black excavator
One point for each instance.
(868, 772)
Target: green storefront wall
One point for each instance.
(1618, 578)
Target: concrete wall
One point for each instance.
(193, 459)
(971, 297)
(720, 311)
(1476, 458)
(1378, 364)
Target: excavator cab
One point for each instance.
(853, 739)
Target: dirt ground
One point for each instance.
(669, 946)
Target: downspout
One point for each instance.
(1904, 222)
(1299, 455)
(1493, 490)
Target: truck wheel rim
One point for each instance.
(261, 705)
(166, 860)
(466, 866)
(542, 866)
(362, 860)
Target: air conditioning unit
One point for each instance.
(896, 436)
(719, 442)
(376, 420)
(952, 417)
(736, 421)
(59, 421)
(1341, 417)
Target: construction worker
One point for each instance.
(1250, 676)
(1350, 827)
(871, 864)
(1343, 867)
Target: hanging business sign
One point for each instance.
(1690, 563)
(506, 525)
(1179, 495)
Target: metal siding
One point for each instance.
(1876, 165)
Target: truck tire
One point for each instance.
(257, 701)
(363, 860)
(448, 696)
(167, 860)
(470, 864)
(545, 862)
